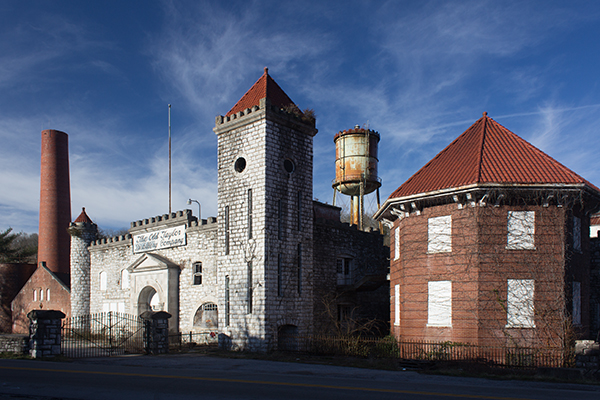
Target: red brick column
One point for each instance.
(55, 202)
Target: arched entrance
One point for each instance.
(287, 338)
(149, 300)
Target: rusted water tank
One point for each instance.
(356, 161)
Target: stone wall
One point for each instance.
(82, 234)
(45, 333)
(18, 344)
(275, 149)
(114, 255)
(365, 293)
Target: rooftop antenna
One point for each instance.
(169, 159)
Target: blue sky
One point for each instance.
(418, 72)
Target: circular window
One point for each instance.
(289, 166)
(240, 164)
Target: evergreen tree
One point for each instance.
(17, 247)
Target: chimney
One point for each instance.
(55, 202)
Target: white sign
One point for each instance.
(163, 239)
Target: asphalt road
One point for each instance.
(201, 377)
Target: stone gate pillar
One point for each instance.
(156, 331)
(45, 333)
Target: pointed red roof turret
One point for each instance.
(264, 87)
(83, 217)
(488, 153)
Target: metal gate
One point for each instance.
(102, 335)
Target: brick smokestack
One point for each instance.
(55, 202)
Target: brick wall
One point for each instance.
(12, 279)
(478, 267)
(42, 282)
(55, 202)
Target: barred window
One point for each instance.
(207, 316)
(197, 273)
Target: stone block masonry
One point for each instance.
(45, 333)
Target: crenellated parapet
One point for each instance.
(156, 223)
(163, 221)
(244, 117)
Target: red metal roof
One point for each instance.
(83, 217)
(487, 152)
(265, 86)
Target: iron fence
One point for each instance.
(102, 335)
(388, 347)
(192, 339)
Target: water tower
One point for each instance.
(356, 169)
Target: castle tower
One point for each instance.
(83, 231)
(55, 202)
(265, 237)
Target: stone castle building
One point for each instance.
(489, 245)
(273, 265)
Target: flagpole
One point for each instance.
(169, 159)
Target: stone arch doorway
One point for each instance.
(287, 338)
(149, 300)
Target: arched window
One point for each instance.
(103, 280)
(124, 279)
(207, 316)
(47, 294)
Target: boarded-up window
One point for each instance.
(103, 280)
(124, 279)
(576, 303)
(439, 303)
(521, 230)
(520, 303)
(397, 305)
(396, 243)
(577, 234)
(439, 234)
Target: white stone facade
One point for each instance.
(246, 275)
(276, 148)
(168, 272)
